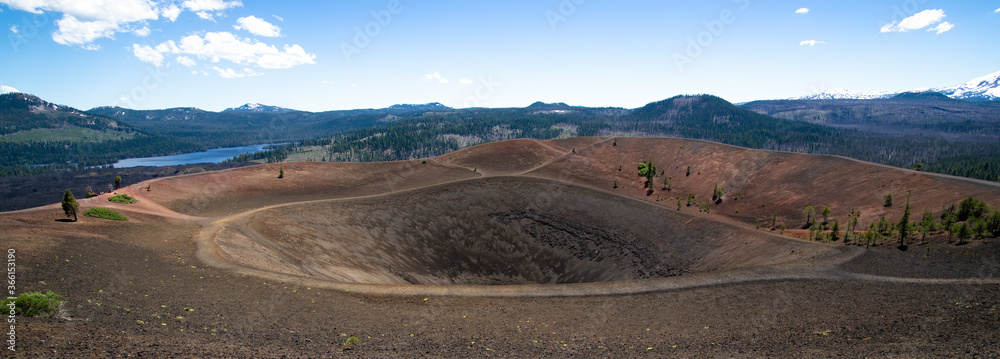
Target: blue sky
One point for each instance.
(308, 55)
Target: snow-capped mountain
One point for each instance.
(845, 94)
(258, 108)
(986, 88)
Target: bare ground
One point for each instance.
(138, 288)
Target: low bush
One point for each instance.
(34, 303)
(122, 198)
(98, 212)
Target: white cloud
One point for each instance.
(148, 54)
(997, 11)
(436, 77)
(811, 43)
(802, 11)
(142, 32)
(171, 12)
(942, 27)
(85, 21)
(257, 26)
(7, 89)
(465, 81)
(205, 15)
(279, 18)
(217, 46)
(916, 22)
(210, 5)
(205, 8)
(233, 74)
(72, 31)
(186, 61)
(13, 28)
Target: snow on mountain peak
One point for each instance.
(7, 89)
(985, 88)
(258, 107)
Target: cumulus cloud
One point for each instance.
(466, 81)
(7, 89)
(84, 21)
(72, 31)
(171, 12)
(148, 54)
(811, 43)
(257, 26)
(14, 29)
(206, 9)
(997, 11)
(210, 5)
(802, 11)
(142, 32)
(918, 21)
(218, 46)
(436, 77)
(186, 61)
(942, 27)
(228, 73)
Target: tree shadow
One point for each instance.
(64, 220)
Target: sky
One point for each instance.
(334, 55)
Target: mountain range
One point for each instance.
(985, 88)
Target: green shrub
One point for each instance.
(34, 303)
(122, 198)
(98, 212)
(350, 342)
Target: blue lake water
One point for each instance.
(211, 156)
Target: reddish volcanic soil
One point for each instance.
(514, 249)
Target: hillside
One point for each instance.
(37, 137)
(499, 248)
(965, 149)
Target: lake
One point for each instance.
(211, 156)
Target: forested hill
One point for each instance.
(238, 128)
(37, 136)
(697, 117)
(21, 112)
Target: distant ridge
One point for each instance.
(985, 88)
(258, 108)
(433, 106)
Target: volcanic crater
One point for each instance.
(494, 231)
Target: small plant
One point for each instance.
(350, 342)
(421, 162)
(688, 172)
(616, 184)
(281, 172)
(888, 200)
(717, 194)
(118, 182)
(98, 212)
(122, 198)
(34, 303)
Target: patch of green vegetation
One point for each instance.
(34, 303)
(65, 134)
(350, 342)
(98, 212)
(122, 198)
